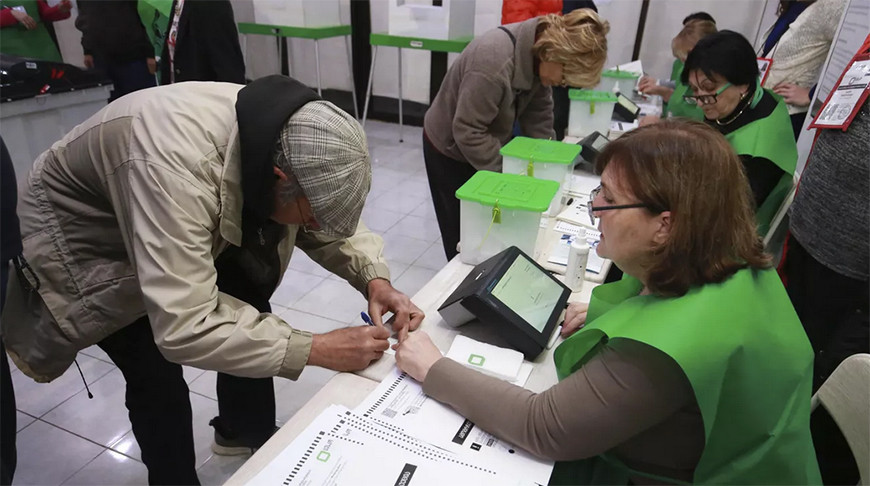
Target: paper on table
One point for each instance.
(561, 248)
(400, 402)
(582, 184)
(341, 447)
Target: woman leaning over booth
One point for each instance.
(503, 77)
(694, 368)
(722, 75)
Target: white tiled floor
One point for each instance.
(65, 438)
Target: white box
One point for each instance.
(497, 211)
(590, 111)
(32, 125)
(616, 81)
(419, 18)
(297, 13)
(543, 159)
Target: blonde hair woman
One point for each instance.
(502, 77)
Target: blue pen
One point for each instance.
(366, 318)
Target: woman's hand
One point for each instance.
(793, 94)
(575, 318)
(24, 19)
(416, 354)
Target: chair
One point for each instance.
(846, 397)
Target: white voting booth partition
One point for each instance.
(452, 19)
(297, 13)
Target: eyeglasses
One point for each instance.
(595, 192)
(707, 99)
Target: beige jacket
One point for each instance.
(492, 84)
(125, 215)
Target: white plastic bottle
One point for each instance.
(577, 258)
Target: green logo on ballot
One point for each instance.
(476, 359)
(323, 456)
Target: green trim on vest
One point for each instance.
(746, 356)
(677, 106)
(36, 43)
(773, 139)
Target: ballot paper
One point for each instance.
(399, 402)
(341, 447)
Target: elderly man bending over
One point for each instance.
(159, 228)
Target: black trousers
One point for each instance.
(8, 419)
(446, 175)
(158, 402)
(832, 308)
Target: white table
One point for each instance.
(350, 389)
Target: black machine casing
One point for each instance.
(625, 110)
(22, 78)
(473, 298)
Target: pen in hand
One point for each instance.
(366, 318)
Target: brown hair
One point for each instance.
(689, 169)
(577, 41)
(692, 32)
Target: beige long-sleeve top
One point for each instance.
(802, 49)
(630, 400)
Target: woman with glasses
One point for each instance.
(694, 368)
(722, 75)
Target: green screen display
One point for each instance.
(529, 292)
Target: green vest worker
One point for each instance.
(722, 74)
(693, 369)
(24, 33)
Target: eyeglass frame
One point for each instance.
(695, 100)
(595, 192)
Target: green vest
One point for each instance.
(677, 106)
(747, 358)
(36, 43)
(772, 138)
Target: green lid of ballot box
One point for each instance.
(537, 150)
(508, 191)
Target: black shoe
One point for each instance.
(236, 446)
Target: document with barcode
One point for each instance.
(341, 447)
(400, 402)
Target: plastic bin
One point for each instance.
(298, 13)
(543, 159)
(499, 210)
(614, 80)
(452, 19)
(590, 111)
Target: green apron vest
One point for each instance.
(36, 43)
(677, 106)
(155, 16)
(747, 358)
(772, 138)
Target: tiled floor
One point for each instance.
(65, 438)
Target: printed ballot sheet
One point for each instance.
(344, 448)
(399, 401)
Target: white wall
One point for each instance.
(749, 17)
(664, 21)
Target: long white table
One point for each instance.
(350, 389)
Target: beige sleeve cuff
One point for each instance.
(296, 355)
(371, 272)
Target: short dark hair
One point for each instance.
(726, 54)
(699, 16)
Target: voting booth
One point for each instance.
(428, 19)
(297, 13)
(543, 159)
(514, 294)
(497, 211)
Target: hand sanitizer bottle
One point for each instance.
(577, 257)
